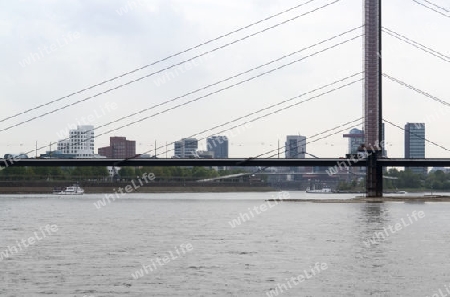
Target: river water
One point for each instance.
(221, 244)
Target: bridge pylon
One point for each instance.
(373, 95)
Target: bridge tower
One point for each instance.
(373, 95)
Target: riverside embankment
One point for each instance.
(46, 187)
(408, 199)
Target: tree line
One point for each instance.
(405, 179)
(96, 173)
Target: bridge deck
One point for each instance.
(225, 162)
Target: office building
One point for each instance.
(218, 145)
(186, 148)
(205, 154)
(119, 148)
(355, 139)
(80, 142)
(415, 144)
(295, 147)
(178, 148)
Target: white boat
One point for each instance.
(73, 190)
(320, 191)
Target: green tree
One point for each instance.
(438, 180)
(127, 172)
(409, 179)
(14, 172)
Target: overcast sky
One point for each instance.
(50, 49)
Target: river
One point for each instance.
(221, 244)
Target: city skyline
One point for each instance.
(82, 141)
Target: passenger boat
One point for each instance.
(320, 191)
(73, 190)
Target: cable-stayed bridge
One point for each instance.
(371, 77)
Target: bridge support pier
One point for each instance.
(374, 175)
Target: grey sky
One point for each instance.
(50, 49)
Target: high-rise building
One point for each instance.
(119, 148)
(190, 146)
(355, 139)
(80, 142)
(186, 147)
(178, 148)
(295, 146)
(218, 145)
(415, 144)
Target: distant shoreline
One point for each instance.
(110, 190)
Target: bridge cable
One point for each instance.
(323, 132)
(285, 108)
(417, 135)
(166, 58)
(224, 88)
(269, 107)
(347, 126)
(238, 75)
(422, 93)
(402, 83)
(209, 94)
(434, 9)
(416, 44)
(435, 5)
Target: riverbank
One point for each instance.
(153, 189)
(407, 199)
